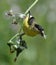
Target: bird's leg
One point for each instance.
(21, 36)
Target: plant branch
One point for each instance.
(13, 37)
(31, 6)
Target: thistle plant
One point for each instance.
(20, 43)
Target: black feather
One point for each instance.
(39, 28)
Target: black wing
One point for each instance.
(38, 27)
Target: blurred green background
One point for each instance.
(40, 51)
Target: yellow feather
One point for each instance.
(29, 30)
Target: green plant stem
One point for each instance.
(13, 37)
(31, 6)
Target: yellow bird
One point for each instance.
(31, 28)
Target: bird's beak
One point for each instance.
(44, 35)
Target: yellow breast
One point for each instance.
(27, 29)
